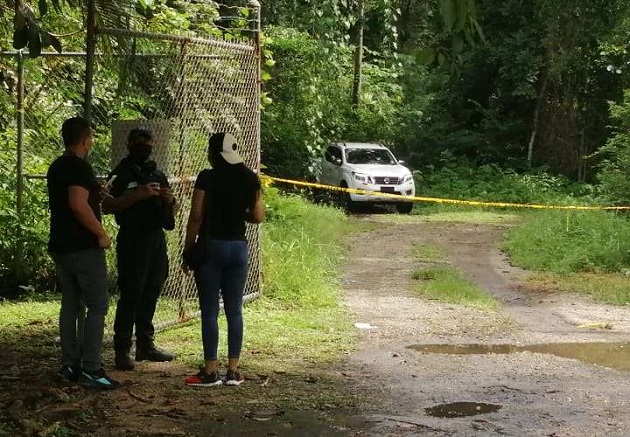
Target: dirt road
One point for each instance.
(534, 393)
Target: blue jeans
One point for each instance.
(223, 274)
(84, 283)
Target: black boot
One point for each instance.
(122, 361)
(151, 353)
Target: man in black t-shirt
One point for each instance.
(77, 244)
(143, 204)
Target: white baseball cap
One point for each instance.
(227, 146)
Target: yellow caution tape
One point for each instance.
(440, 200)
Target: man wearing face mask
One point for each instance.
(143, 204)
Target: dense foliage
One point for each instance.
(488, 91)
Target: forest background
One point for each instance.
(503, 100)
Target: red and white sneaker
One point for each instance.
(204, 379)
(234, 377)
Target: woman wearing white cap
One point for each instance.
(225, 197)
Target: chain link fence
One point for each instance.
(182, 88)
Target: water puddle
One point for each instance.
(613, 355)
(461, 409)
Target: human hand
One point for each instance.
(149, 190)
(106, 186)
(103, 191)
(104, 241)
(167, 195)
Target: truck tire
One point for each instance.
(404, 207)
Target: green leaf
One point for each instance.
(462, 13)
(427, 56)
(478, 28)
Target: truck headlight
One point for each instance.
(363, 178)
(407, 179)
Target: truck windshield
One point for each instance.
(369, 156)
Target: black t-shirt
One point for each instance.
(66, 233)
(230, 192)
(147, 215)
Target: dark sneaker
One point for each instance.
(97, 379)
(234, 377)
(152, 354)
(122, 361)
(70, 373)
(203, 379)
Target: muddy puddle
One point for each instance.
(612, 355)
(461, 409)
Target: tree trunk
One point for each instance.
(558, 135)
(358, 60)
(542, 95)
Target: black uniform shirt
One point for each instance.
(66, 233)
(148, 214)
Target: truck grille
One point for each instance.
(386, 180)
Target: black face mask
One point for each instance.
(140, 152)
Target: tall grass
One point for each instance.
(612, 288)
(446, 284)
(492, 183)
(571, 241)
(301, 251)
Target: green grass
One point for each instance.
(490, 183)
(302, 251)
(15, 315)
(276, 338)
(446, 284)
(611, 288)
(428, 253)
(571, 241)
(450, 214)
(577, 251)
(470, 214)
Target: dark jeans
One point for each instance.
(83, 279)
(142, 272)
(225, 273)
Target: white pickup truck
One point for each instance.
(369, 167)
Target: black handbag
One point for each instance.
(196, 255)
